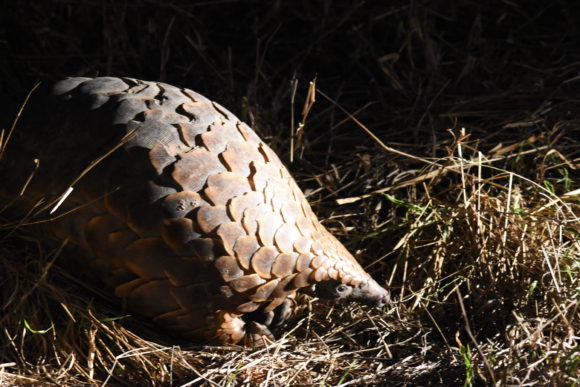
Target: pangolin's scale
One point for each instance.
(194, 220)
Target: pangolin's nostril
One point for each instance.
(384, 300)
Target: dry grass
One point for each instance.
(465, 202)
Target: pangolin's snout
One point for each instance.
(375, 295)
(383, 300)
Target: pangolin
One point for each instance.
(186, 212)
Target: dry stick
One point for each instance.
(300, 369)
(462, 168)
(555, 249)
(479, 187)
(91, 355)
(23, 223)
(467, 203)
(61, 200)
(204, 377)
(382, 144)
(294, 86)
(135, 352)
(543, 325)
(310, 100)
(4, 143)
(37, 283)
(554, 279)
(507, 210)
(468, 330)
(355, 113)
(68, 312)
(438, 329)
(23, 189)
(29, 179)
(442, 169)
(171, 360)
(93, 164)
(452, 168)
(562, 314)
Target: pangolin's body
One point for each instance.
(192, 218)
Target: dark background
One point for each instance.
(411, 60)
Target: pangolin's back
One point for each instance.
(191, 217)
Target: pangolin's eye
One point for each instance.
(341, 288)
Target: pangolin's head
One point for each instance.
(338, 276)
(367, 292)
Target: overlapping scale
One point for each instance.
(247, 282)
(261, 174)
(320, 274)
(250, 219)
(238, 155)
(305, 226)
(97, 230)
(303, 262)
(228, 268)
(263, 292)
(177, 232)
(290, 211)
(184, 271)
(160, 157)
(318, 246)
(302, 245)
(224, 186)
(186, 296)
(268, 225)
(245, 248)
(281, 195)
(248, 134)
(193, 168)
(303, 279)
(286, 236)
(318, 261)
(156, 127)
(150, 299)
(211, 217)
(239, 204)
(263, 259)
(219, 135)
(229, 233)
(247, 307)
(146, 257)
(284, 265)
(119, 240)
